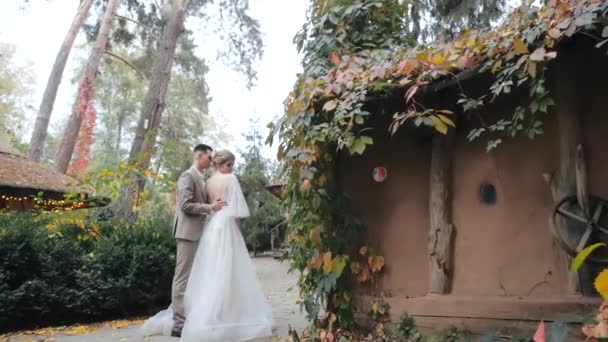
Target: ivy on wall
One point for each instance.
(325, 113)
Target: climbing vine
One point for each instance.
(85, 138)
(325, 115)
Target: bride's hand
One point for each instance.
(219, 204)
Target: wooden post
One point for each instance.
(570, 177)
(441, 230)
(582, 186)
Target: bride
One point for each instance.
(223, 300)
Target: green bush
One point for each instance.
(60, 280)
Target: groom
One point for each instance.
(190, 213)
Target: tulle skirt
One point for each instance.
(224, 300)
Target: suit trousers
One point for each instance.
(186, 250)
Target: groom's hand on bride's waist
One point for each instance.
(218, 204)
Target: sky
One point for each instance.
(38, 31)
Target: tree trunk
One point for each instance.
(50, 93)
(441, 230)
(152, 109)
(86, 91)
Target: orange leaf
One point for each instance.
(334, 58)
(407, 66)
(316, 262)
(519, 46)
(305, 186)
(315, 235)
(363, 276)
(322, 180)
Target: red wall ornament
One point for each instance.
(380, 174)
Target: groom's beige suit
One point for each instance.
(190, 214)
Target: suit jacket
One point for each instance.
(192, 206)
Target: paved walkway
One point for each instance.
(277, 285)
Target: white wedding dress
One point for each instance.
(224, 300)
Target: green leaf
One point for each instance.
(577, 262)
(357, 147)
(367, 140)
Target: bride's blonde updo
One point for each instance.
(222, 157)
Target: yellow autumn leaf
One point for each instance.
(355, 267)
(380, 329)
(338, 265)
(376, 263)
(601, 284)
(315, 235)
(439, 125)
(327, 262)
(447, 120)
(375, 307)
(472, 43)
(578, 260)
(438, 59)
(81, 329)
(296, 238)
(496, 66)
(520, 47)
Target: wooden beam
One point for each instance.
(571, 169)
(441, 229)
(566, 309)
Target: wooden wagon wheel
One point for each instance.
(575, 218)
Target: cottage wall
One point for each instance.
(506, 265)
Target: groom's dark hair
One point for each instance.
(202, 148)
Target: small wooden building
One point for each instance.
(26, 185)
(469, 235)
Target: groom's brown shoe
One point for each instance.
(176, 333)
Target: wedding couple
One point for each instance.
(216, 295)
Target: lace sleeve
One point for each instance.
(236, 203)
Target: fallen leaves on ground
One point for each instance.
(79, 329)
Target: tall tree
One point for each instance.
(16, 85)
(255, 172)
(119, 93)
(246, 45)
(50, 93)
(83, 104)
(154, 104)
(346, 27)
